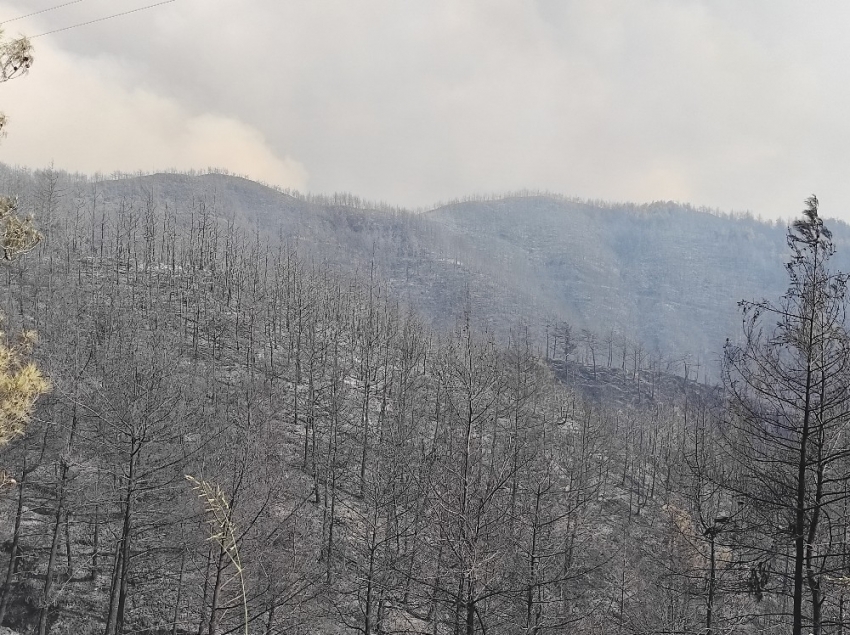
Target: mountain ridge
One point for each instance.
(664, 274)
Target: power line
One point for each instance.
(109, 17)
(29, 15)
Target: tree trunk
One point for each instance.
(176, 617)
(13, 551)
(214, 628)
(51, 560)
(800, 506)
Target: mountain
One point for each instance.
(665, 276)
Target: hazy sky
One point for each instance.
(730, 104)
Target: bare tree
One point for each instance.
(789, 404)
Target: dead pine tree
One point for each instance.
(788, 404)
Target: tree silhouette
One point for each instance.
(787, 389)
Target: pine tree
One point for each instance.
(15, 60)
(787, 388)
(21, 383)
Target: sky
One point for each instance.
(739, 106)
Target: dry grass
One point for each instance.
(222, 531)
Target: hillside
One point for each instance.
(667, 275)
(664, 275)
(398, 454)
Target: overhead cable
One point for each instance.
(108, 17)
(29, 15)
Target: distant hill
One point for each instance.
(666, 275)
